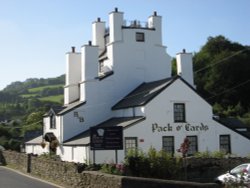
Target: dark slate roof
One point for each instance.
(60, 110)
(71, 107)
(29, 135)
(83, 138)
(144, 93)
(36, 140)
(55, 110)
(235, 125)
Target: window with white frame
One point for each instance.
(193, 145)
(179, 112)
(225, 143)
(130, 144)
(168, 144)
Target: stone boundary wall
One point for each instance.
(66, 175)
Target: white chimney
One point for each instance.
(98, 32)
(154, 22)
(72, 77)
(115, 25)
(185, 66)
(89, 69)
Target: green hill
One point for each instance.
(19, 99)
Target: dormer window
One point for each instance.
(52, 121)
(140, 37)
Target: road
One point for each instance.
(13, 179)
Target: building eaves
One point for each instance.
(71, 107)
(83, 139)
(235, 125)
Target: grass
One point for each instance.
(55, 98)
(29, 95)
(38, 89)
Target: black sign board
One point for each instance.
(106, 138)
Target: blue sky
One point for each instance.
(36, 34)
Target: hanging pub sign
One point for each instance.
(106, 138)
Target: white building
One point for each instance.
(123, 78)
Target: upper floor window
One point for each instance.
(139, 37)
(179, 112)
(52, 121)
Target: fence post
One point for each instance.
(29, 163)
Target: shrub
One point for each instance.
(112, 168)
(205, 154)
(218, 154)
(153, 164)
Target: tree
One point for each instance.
(222, 73)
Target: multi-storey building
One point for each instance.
(123, 78)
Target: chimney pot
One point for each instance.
(116, 9)
(184, 51)
(73, 49)
(98, 19)
(90, 43)
(155, 13)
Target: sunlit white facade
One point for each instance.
(123, 78)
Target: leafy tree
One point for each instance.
(34, 117)
(222, 74)
(174, 67)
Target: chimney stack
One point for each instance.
(185, 66)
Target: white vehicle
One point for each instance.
(239, 175)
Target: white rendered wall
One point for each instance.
(36, 149)
(92, 114)
(56, 131)
(198, 112)
(142, 61)
(77, 154)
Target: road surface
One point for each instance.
(13, 179)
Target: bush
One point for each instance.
(153, 164)
(117, 169)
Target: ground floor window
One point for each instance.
(168, 144)
(130, 144)
(193, 145)
(225, 143)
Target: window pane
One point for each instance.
(130, 144)
(193, 146)
(168, 144)
(52, 122)
(225, 145)
(179, 112)
(140, 37)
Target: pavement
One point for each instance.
(10, 178)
